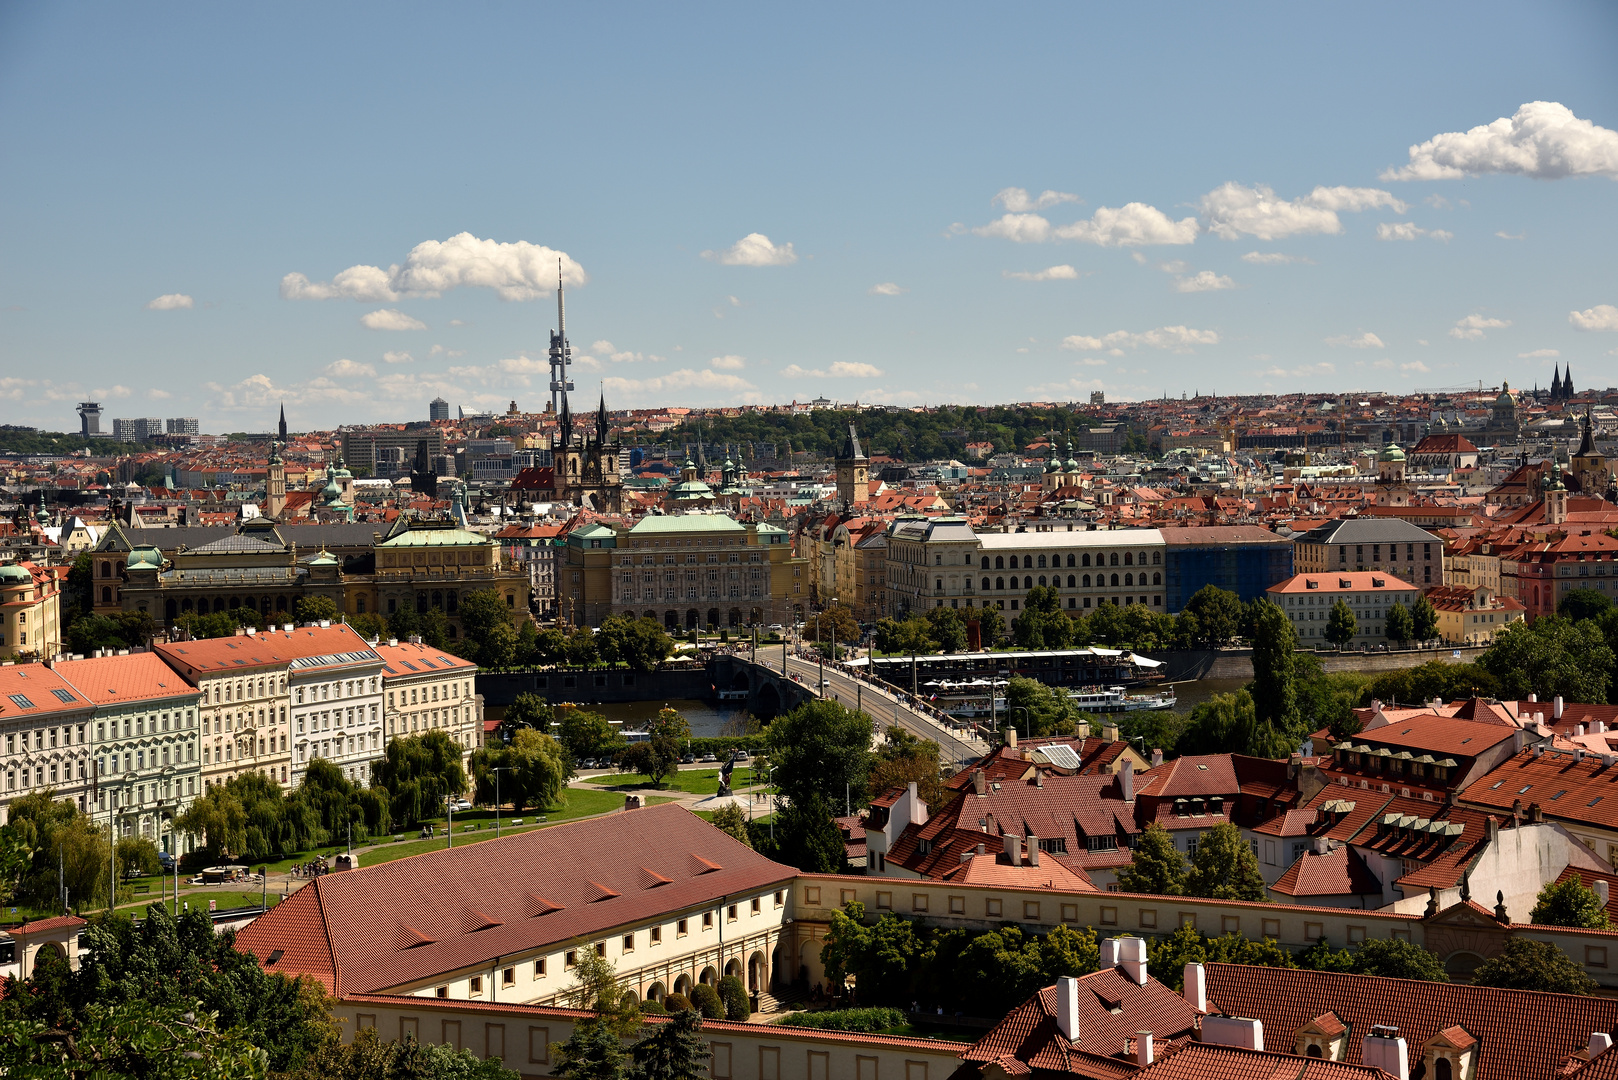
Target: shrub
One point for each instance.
(706, 1001)
(859, 1020)
(677, 1003)
(734, 995)
(652, 1008)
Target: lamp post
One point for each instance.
(497, 770)
(1014, 710)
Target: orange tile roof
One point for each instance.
(1207, 1061)
(117, 680)
(408, 658)
(1339, 872)
(36, 690)
(275, 648)
(405, 921)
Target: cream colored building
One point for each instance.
(243, 704)
(429, 690)
(1308, 600)
(30, 611)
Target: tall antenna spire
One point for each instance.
(561, 354)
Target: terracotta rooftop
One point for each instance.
(1339, 872)
(116, 680)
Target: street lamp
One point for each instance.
(497, 770)
(1014, 710)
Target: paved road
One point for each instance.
(884, 709)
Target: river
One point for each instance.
(705, 717)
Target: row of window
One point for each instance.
(336, 690)
(1028, 561)
(1074, 581)
(691, 559)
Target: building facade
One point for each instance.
(432, 565)
(30, 611)
(45, 725)
(428, 690)
(335, 687)
(242, 686)
(1382, 544)
(1243, 559)
(1309, 598)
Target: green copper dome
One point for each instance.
(11, 574)
(1391, 452)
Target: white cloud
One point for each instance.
(1177, 338)
(118, 391)
(13, 388)
(728, 363)
(1363, 340)
(1066, 391)
(439, 350)
(1542, 139)
(1232, 210)
(734, 302)
(1131, 225)
(390, 319)
(1415, 366)
(458, 322)
(1019, 228)
(1437, 202)
(348, 369)
(1471, 328)
(173, 301)
(1091, 361)
(842, 369)
(1600, 317)
(1539, 354)
(602, 347)
(398, 358)
(887, 288)
(158, 395)
(1274, 258)
(1050, 273)
(1383, 364)
(1301, 372)
(1016, 199)
(515, 271)
(1502, 234)
(660, 387)
(754, 249)
(1204, 281)
(1409, 230)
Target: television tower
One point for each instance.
(561, 352)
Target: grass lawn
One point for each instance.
(694, 781)
(224, 900)
(580, 804)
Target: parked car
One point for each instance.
(688, 759)
(738, 754)
(461, 806)
(166, 860)
(709, 757)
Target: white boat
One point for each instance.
(979, 708)
(1111, 699)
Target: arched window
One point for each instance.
(106, 593)
(106, 569)
(1071, 582)
(999, 563)
(1115, 558)
(1129, 579)
(985, 562)
(1115, 576)
(1157, 558)
(1442, 1070)
(1042, 580)
(1086, 581)
(985, 584)
(999, 583)
(1027, 562)
(1042, 562)
(1157, 579)
(1129, 558)
(1070, 558)
(1086, 558)
(1028, 583)
(1313, 1051)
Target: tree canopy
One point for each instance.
(1569, 903)
(1551, 657)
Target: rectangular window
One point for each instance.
(1356, 935)
(918, 901)
(707, 920)
(884, 901)
(474, 985)
(1109, 916)
(1070, 913)
(1313, 931)
(539, 968)
(1230, 924)
(681, 928)
(1272, 928)
(629, 943)
(1030, 910)
(957, 905)
(442, 991)
(991, 908)
(657, 935)
(1148, 918)
(570, 959)
(757, 905)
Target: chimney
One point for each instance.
(631, 802)
(1011, 736)
(325, 624)
(1082, 729)
(1556, 707)
(1067, 1007)
(1143, 1048)
(1533, 697)
(1126, 780)
(1322, 845)
(252, 631)
(241, 632)
(1578, 730)
(1109, 954)
(1132, 956)
(1602, 890)
(981, 849)
(1516, 812)
(980, 784)
(1013, 846)
(1385, 1050)
(1236, 1031)
(1033, 850)
(1109, 731)
(1157, 757)
(1600, 1043)
(286, 628)
(1196, 987)
(393, 642)
(1493, 829)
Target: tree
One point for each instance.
(592, 1052)
(582, 650)
(596, 988)
(1581, 604)
(835, 622)
(1065, 951)
(526, 711)
(129, 1039)
(419, 772)
(1569, 903)
(1525, 964)
(1275, 696)
(912, 635)
(369, 625)
(807, 835)
(1218, 612)
(1436, 678)
(659, 755)
(369, 1058)
(497, 648)
(946, 627)
(1036, 709)
(734, 995)
(1424, 619)
(535, 772)
(63, 847)
(1157, 867)
(550, 647)
(820, 749)
(312, 609)
(732, 819)
(588, 735)
(1551, 657)
(1401, 626)
(644, 645)
(1224, 867)
(1392, 958)
(480, 611)
(1042, 624)
(902, 759)
(675, 1050)
(1167, 956)
(137, 855)
(1341, 625)
(991, 630)
(847, 942)
(705, 999)
(1229, 724)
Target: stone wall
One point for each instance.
(1238, 663)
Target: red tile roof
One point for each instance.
(345, 929)
(115, 680)
(1339, 872)
(1205, 1061)
(268, 649)
(36, 690)
(1584, 791)
(1524, 1034)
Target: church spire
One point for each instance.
(601, 420)
(283, 428)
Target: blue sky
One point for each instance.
(758, 202)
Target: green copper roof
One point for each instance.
(435, 538)
(654, 525)
(13, 572)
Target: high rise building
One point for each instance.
(183, 425)
(561, 353)
(90, 420)
(438, 409)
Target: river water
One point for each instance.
(705, 717)
(1194, 692)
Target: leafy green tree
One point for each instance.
(535, 772)
(592, 1052)
(129, 1039)
(79, 595)
(820, 749)
(1218, 612)
(497, 648)
(1224, 867)
(1002, 966)
(63, 847)
(1341, 626)
(910, 635)
(1157, 867)
(526, 711)
(120, 631)
(480, 611)
(1322, 957)
(1436, 678)
(1326, 700)
(550, 647)
(807, 835)
(901, 759)
(433, 629)
(1275, 695)
(644, 645)
(658, 756)
(1569, 903)
(1036, 709)
(1400, 625)
(1525, 964)
(1167, 956)
(835, 621)
(732, 819)
(1042, 623)
(1229, 724)
(582, 649)
(588, 735)
(596, 988)
(1424, 619)
(368, 625)
(1551, 657)
(1392, 958)
(675, 1050)
(137, 855)
(847, 942)
(419, 772)
(403, 622)
(946, 627)
(1581, 604)
(992, 630)
(369, 1058)
(1065, 951)
(705, 1000)
(734, 995)
(312, 609)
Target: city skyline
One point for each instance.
(210, 216)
